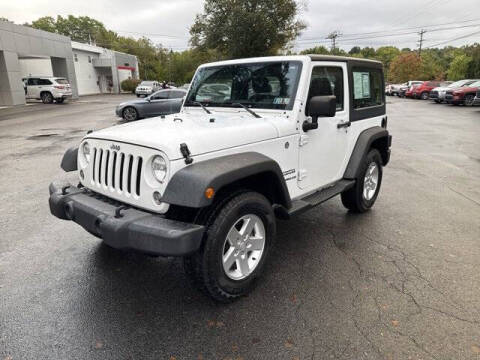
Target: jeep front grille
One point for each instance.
(117, 170)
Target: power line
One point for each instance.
(333, 37)
(454, 39)
(391, 35)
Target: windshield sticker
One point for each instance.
(281, 100)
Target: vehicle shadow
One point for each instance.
(130, 295)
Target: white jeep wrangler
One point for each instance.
(281, 135)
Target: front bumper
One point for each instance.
(476, 101)
(124, 227)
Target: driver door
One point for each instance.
(158, 103)
(323, 151)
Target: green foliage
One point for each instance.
(459, 67)
(239, 29)
(130, 85)
(320, 50)
(82, 28)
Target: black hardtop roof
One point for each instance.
(347, 59)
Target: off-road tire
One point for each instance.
(46, 97)
(353, 198)
(205, 268)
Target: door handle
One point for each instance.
(344, 125)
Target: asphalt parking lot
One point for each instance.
(400, 282)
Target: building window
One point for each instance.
(75, 57)
(127, 64)
(89, 59)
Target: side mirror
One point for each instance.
(149, 98)
(320, 106)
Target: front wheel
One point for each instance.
(424, 96)
(362, 196)
(130, 114)
(469, 99)
(239, 235)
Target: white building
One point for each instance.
(99, 70)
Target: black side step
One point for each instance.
(319, 197)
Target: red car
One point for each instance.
(409, 92)
(464, 95)
(422, 91)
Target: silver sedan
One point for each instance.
(163, 102)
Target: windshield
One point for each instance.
(459, 83)
(475, 84)
(266, 85)
(146, 83)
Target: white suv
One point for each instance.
(47, 89)
(209, 182)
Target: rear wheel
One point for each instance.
(424, 96)
(130, 114)
(239, 235)
(46, 97)
(469, 100)
(362, 196)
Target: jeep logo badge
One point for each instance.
(115, 147)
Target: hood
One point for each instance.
(132, 102)
(195, 129)
(442, 88)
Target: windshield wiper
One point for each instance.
(199, 104)
(246, 108)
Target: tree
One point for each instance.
(386, 54)
(246, 28)
(82, 28)
(406, 66)
(321, 50)
(459, 67)
(355, 50)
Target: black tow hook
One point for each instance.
(186, 153)
(118, 210)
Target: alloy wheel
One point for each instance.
(370, 182)
(243, 247)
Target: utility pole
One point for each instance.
(420, 42)
(333, 36)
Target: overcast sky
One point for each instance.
(168, 21)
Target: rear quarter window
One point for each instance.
(367, 88)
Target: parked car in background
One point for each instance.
(476, 101)
(463, 95)
(393, 89)
(408, 86)
(438, 94)
(422, 91)
(146, 88)
(47, 89)
(163, 102)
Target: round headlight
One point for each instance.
(86, 151)
(159, 168)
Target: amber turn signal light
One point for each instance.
(209, 192)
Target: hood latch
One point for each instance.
(186, 153)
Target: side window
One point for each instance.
(161, 95)
(175, 94)
(327, 80)
(367, 88)
(44, 82)
(32, 81)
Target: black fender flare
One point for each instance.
(187, 186)
(376, 136)
(69, 160)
